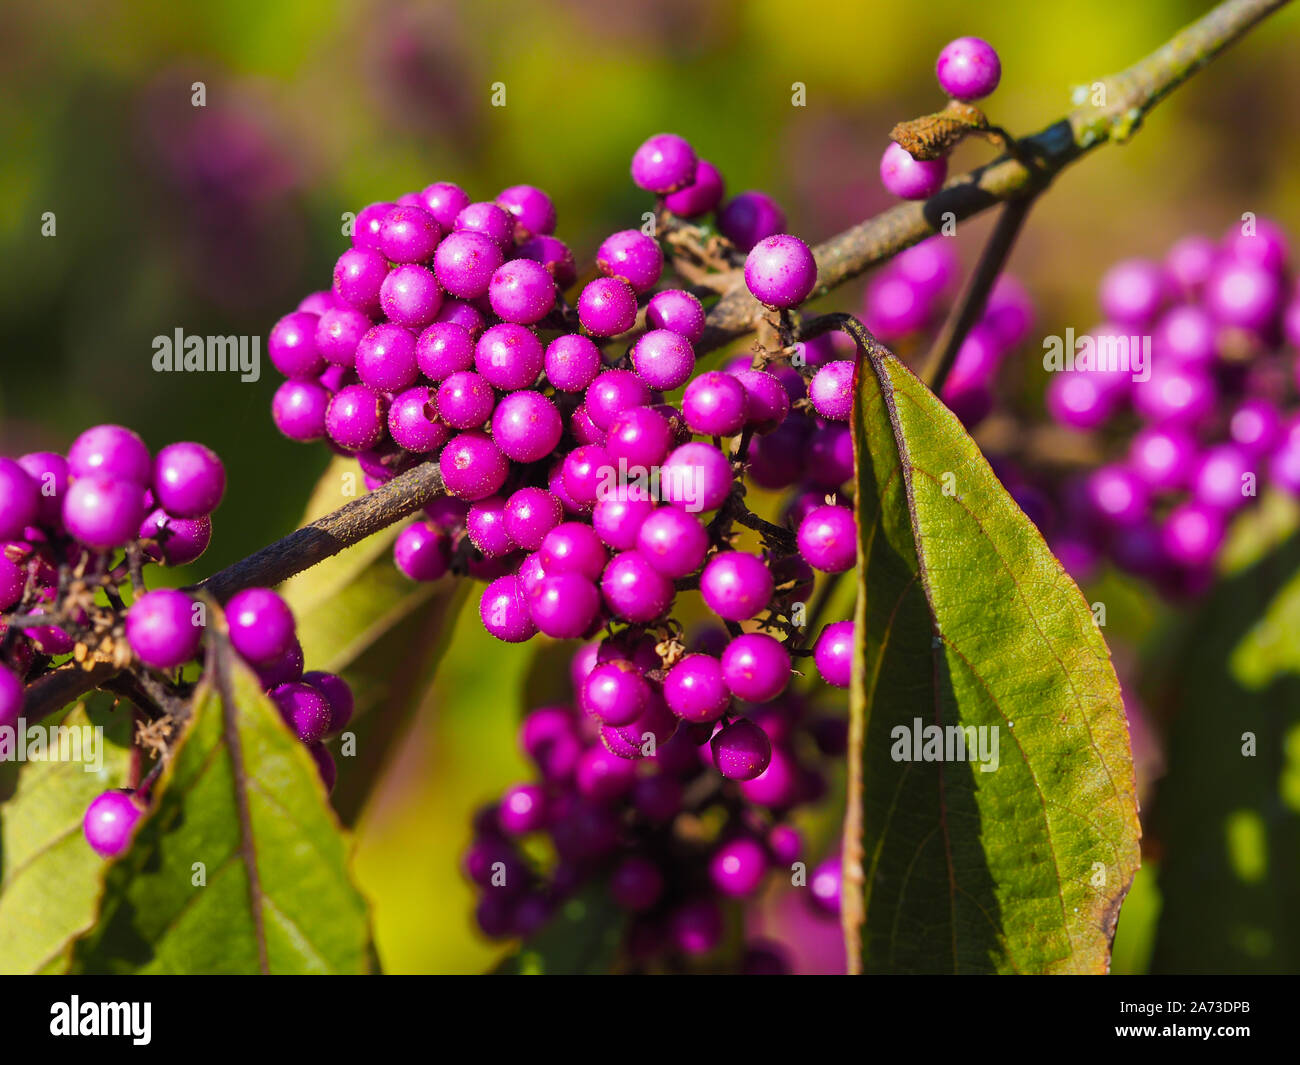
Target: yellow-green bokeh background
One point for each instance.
(216, 220)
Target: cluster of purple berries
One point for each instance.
(66, 516)
(165, 630)
(633, 805)
(574, 488)
(1199, 418)
(968, 69)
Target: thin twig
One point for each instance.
(1129, 97)
(975, 297)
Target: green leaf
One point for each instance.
(358, 615)
(581, 939)
(965, 618)
(240, 866)
(1227, 811)
(49, 876)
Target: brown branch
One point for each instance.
(327, 536)
(56, 689)
(973, 299)
(1129, 97)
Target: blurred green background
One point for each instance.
(218, 219)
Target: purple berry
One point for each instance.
(409, 235)
(526, 426)
(410, 296)
(291, 346)
(358, 276)
(489, 220)
(554, 255)
(696, 477)
(533, 210)
(631, 256)
(521, 291)
(49, 471)
(110, 819)
(618, 521)
(741, 750)
(20, 499)
(485, 525)
(573, 548)
(443, 349)
(1190, 262)
(831, 390)
(509, 356)
(444, 201)
(101, 510)
(260, 623)
(1221, 479)
(750, 217)
(304, 708)
(672, 541)
(1132, 292)
(909, 178)
(663, 359)
(356, 418)
(612, 392)
(110, 449)
(677, 311)
(189, 480)
(766, 401)
(1263, 244)
(607, 307)
(737, 867)
(828, 539)
(833, 654)
(1243, 294)
(640, 436)
(465, 262)
(161, 629)
(465, 400)
(564, 605)
(634, 589)
(664, 163)
(385, 358)
(616, 693)
(572, 362)
(780, 271)
(756, 667)
(1193, 533)
(298, 410)
(1162, 456)
(701, 196)
(968, 68)
(530, 514)
(369, 221)
(472, 466)
(413, 420)
(337, 693)
(736, 586)
(715, 404)
(504, 610)
(1118, 496)
(11, 697)
(422, 552)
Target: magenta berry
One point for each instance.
(526, 426)
(260, 624)
(741, 750)
(663, 359)
(465, 262)
(828, 539)
(533, 210)
(444, 201)
(472, 466)
(756, 667)
(677, 311)
(701, 196)
(358, 276)
(509, 356)
(490, 220)
(634, 589)
(780, 271)
(356, 418)
(100, 510)
(304, 708)
(110, 821)
(831, 390)
(521, 291)
(909, 178)
(291, 346)
(968, 68)
(715, 404)
(750, 217)
(833, 654)
(20, 499)
(443, 349)
(422, 552)
(189, 480)
(664, 163)
(413, 420)
(736, 586)
(607, 307)
(108, 449)
(633, 257)
(563, 605)
(503, 609)
(408, 235)
(410, 296)
(162, 629)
